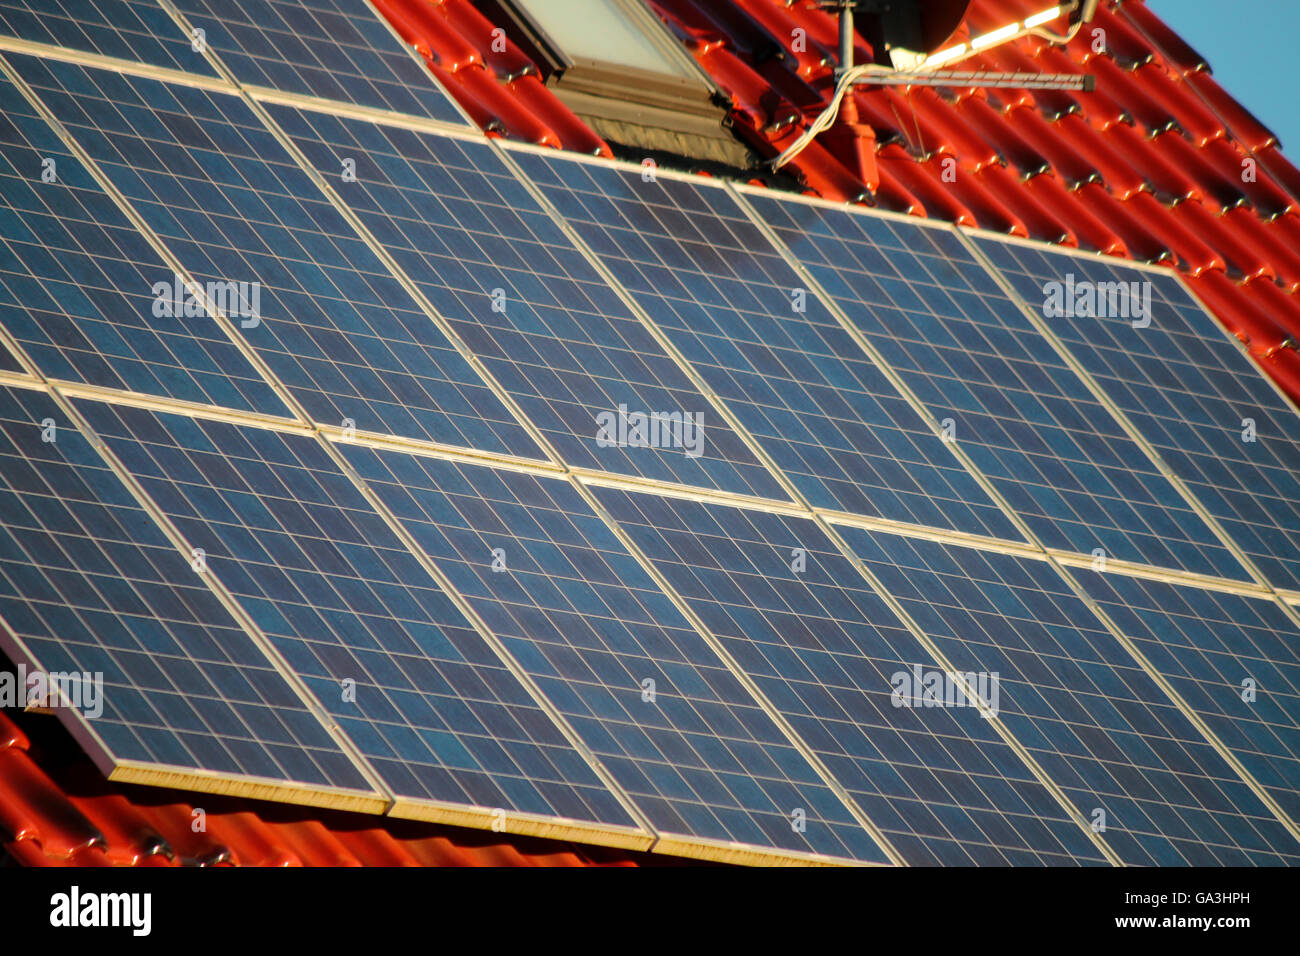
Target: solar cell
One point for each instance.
(826, 650)
(336, 49)
(609, 649)
(8, 363)
(89, 584)
(528, 303)
(969, 354)
(430, 706)
(139, 30)
(1190, 391)
(329, 319)
(78, 283)
(767, 346)
(1235, 660)
(1097, 724)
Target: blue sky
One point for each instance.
(1250, 45)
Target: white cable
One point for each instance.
(1051, 37)
(851, 76)
(828, 115)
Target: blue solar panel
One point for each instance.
(333, 323)
(560, 340)
(89, 583)
(1097, 723)
(1208, 644)
(341, 598)
(139, 30)
(971, 356)
(771, 351)
(825, 648)
(336, 49)
(77, 284)
(1189, 391)
(587, 622)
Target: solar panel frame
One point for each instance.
(1017, 411)
(78, 283)
(1187, 387)
(337, 328)
(530, 305)
(341, 50)
(763, 361)
(89, 583)
(1087, 711)
(822, 644)
(139, 30)
(701, 758)
(9, 361)
(444, 724)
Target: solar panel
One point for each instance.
(139, 30)
(1098, 725)
(1235, 660)
(1188, 388)
(430, 706)
(397, 630)
(79, 284)
(766, 346)
(335, 49)
(827, 651)
(528, 303)
(967, 352)
(329, 319)
(655, 704)
(90, 585)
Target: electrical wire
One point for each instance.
(828, 115)
(1051, 37)
(849, 77)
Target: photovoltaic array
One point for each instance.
(641, 687)
(791, 375)
(528, 304)
(332, 323)
(339, 596)
(1192, 393)
(974, 359)
(78, 283)
(1080, 704)
(1208, 644)
(823, 647)
(139, 30)
(92, 584)
(333, 49)
(379, 466)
